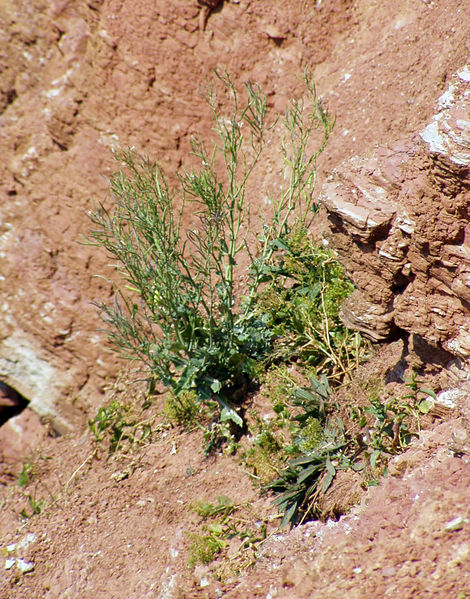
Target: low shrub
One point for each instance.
(179, 310)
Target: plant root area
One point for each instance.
(89, 524)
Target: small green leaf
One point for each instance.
(424, 406)
(358, 467)
(329, 466)
(228, 413)
(429, 392)
(327, 482)
(281, 245)
(225, 501)
(305, 394)
(216, 386)
(289, 515)
(215, 528)
(374, 457)
(308, 472)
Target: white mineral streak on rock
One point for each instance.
(448, 133)
(432, 136)
(364, 206)
(405, 223)
(464, 74)
(460, 345)
(9, 563)
(24, 566)
(25, 370)
(26, 541)
(450, 397)
(445, 101)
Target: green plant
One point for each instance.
(266, 448)
(305, 286)
(394, 422)
(224, 506)
(226, 521)
(419, 396)
(323, 445)
(118, 423)
(265, 455)
(36, 507)
(180, 311)
(27, 473)
(206, 546)
(313, 471)
(33, 467)
(183, 409)
(279, 386)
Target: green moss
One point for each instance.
(204, 548)
(311, 434)
(182, 409)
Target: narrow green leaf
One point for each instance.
(308, 472)
(429, 392)
(374, 457)
(327, 482)
(329, 466)
(281, 245)
(288, 516)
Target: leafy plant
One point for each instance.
(183, 409)
(226, 521)
(395, 422)
(117, 423)
(375, 433)
(27, 473)
(33, 467)
(206, 546)
(220, 433)
(224, 506)
(300, 302)
(180, 311)
(422, 399)
(312, 472)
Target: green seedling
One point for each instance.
(36, 507)
(26, 474)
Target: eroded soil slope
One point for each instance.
(79, 78)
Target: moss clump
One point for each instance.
(205, 547)
(183, 409)
(310, 435)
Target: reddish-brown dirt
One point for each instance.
(78, 78)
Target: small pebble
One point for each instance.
(24, 566)
(9, 563)
(455, 524)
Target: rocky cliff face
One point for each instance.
(400, 223)
(79, 77)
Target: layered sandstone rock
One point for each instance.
(400, 223)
